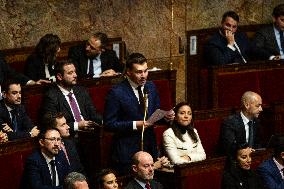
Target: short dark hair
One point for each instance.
(278, 11)
(71, 178)
(135, 58)
(103, 38)
(58, 67)
(100, 175)
(44, 131)
(231, 14)
(49, 119)
(6, 85)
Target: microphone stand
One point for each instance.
(145, 99)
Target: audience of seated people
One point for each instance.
(14, 120)
(238, 173)
(143, 172)
(228, 45)
(71, 99)
(58, 121)
(40, 64)
(271, 170)
(75, 180)
(48, 166)
(124, 112)
(106, 179)
(243, 126)
(181, 141)
(269, 41)
(93, 59)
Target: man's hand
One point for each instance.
(42, 81)
(161, 162)
(7, 128)
(170, 116)
(3, 137)
(230, 36)
(108, 73)
(83, 125)
(34, 132)
(278, 57)
(139, 125)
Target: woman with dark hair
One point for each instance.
(238, 173)
(181, 141)
(106, 179)
(40, 64)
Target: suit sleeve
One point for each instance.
(259, 46)
(31, 69)
(228, 137)
(228, 182)
(269, 178)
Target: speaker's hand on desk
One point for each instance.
(139, 124)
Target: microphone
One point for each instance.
(146, 96)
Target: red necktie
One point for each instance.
(148, 185)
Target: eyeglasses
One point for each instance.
(54, 139)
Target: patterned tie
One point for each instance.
(53, 172)
(140, 94)
(65, 152)
(74, 108)
(14, 120)
(250, 140)
(147, 185)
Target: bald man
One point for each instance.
(143, 170)
(242, 127)
(93, 59)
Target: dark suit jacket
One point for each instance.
(7, 72)
(35, 68)
(54, 101)
(108, 58)
(270, 175)
(75, 163)
(217, 53)
(133, 184)
(121, 109)
(233, 133)
(24, 124)
(265, 44)
(236, 178)
(37, 175)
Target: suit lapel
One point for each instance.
(45, 169)
(64, 102)
(242, 127)
(273, 40)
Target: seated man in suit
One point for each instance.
(71, 99)
(227, 46)
(47, 167)
(75, 180)
(143, 169)
(93, 59)
(124, 112)
(268, 43)
(58, 121)
(242, 127)
(271, 170)
(13, 118)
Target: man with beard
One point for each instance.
(14, 120)
(143, 170)
(47, 167)
(242, 127)
(93, 59)
(72, 100)
(124, 112)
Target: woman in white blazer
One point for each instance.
(181, 141)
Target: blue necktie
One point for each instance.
(250, 140)
(14, 120)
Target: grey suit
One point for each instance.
(265, 44)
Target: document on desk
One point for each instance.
(158, 114)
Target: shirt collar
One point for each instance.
(64, 91)
(47, 159)
(140, 183)
(244, 118)
(279, 166)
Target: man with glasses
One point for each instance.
(227, 46)
(93, 59)
(46, 167)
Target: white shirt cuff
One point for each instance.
(76, 126)
(134, 125)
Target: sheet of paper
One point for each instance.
(157, 115)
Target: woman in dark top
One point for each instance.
(40, 64)
(238, 173)
(106, 179)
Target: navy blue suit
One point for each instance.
(270, 175)
(121, 109)
(217, 52)
(37, 175)
(24, 124)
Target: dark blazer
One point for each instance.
(24, 124)
(236, 178)
(217, 53)
(54, 101)
(108, 58)
(133, 184)
(270, 175)
(7, 72)
(75, 163)
(265, 44)
(36, 173)
(121, 109)
(35, 68)
(233, 133)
